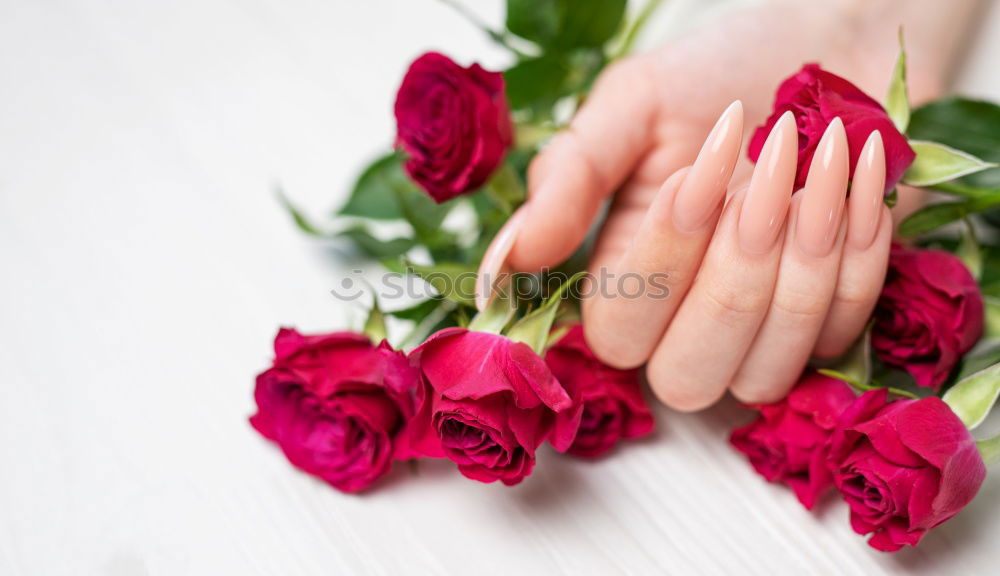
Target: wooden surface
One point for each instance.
(146, 266)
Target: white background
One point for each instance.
(145, 265)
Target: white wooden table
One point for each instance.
(145, 265)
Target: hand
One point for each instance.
(734, 318)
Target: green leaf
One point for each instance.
(970, 125)
(535, 20)
(418, 311)
(565, 24)
(897, 102)
(456, 282)
(936, 163)
(375, 324)
(934, 216)
(588, 23)
(374, 193)
(535, 327)
(300, 219)
(536, 83)
(385, 192)
(972, 398)
(374, 247)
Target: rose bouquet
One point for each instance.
(888, 426)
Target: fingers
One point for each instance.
(866, 254)
(572, 176)
(631, 303)
(716, 323)
(807, 277)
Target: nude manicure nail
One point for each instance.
(705, 185)
(867, 190)
(822, 205)
(770, 190)
(496, 256)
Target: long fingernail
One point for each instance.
(770, 188)
(867, 191)
(705, 185)
(822, 205)
(496, 256)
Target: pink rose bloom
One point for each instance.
(788, 441)
(336, 405)
(613, 406)
(454, 124)
(930, 313)
(903, 467)
(816, 97)
(487, 403)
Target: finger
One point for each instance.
(718, 319)
(581, 167)
(629, 304)
(866, 254)
(807, 277)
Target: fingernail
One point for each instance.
(770, 190)
(867, 190)
(496, 256)
(822, 205)
(705, 185)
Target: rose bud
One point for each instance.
(816, 97)
(487, 402)
(788, 441)
(336, 405)
(930, 313)
(903, 467)
(613, 406)
(454, 124)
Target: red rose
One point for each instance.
(454, 124)
(487, 403)
(788, 441)
(903, 467)
(336, 405)
(816, 97)
(929, 314)
(613, 406)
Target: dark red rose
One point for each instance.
(788, 441)
(454, 124)
(816, 97)
(613, 406)
(930, 313)
(336, 405)
(487, 403)
(903, 467)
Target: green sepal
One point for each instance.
(936, 163)
(897, 103)
(375, 323)
(534, 328)
(972, 398)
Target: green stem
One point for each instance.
(637, 25)
(990, 449)
(500, 37)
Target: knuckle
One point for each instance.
(801, 306)
(732, 306)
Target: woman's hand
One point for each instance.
(752, 293)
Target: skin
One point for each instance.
(747, 306)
